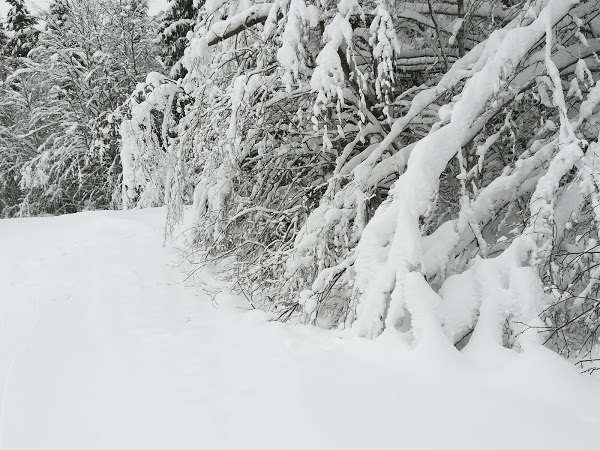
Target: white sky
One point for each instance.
(154, 5)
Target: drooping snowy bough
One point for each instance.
(422, 168)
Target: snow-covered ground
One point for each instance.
(103, 347)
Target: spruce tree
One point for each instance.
(20, 25)
(3, 36)
(177, 21)
(3, 43)
(57, 15)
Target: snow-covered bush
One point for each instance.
(144, 137)
(425, 168)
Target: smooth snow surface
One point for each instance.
(102, 347)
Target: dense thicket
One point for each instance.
(59, 146)
(426, 168)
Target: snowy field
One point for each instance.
(103, 347)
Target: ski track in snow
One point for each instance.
(103, 347)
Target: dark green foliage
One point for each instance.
(57, 15)
(20, 29)
(177, 21)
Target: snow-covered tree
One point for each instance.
(3, 35)
(58, 14)
(3, 57)
(150, 116)
(176, 21)
(20, 27)
(145, 134)
(62, 99)
(422, 168)
(17, 37)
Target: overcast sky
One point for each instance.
(154, 5)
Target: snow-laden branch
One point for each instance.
(348, 183)
(391, 245)
(233, 25)
(483, 10)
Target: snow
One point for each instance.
(102, 346)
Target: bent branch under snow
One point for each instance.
(227, 28)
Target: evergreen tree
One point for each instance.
(3, 43)
(20, 25)
(178, 20)
(57, 14)
(3, 36)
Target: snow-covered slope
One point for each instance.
(102, 347)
